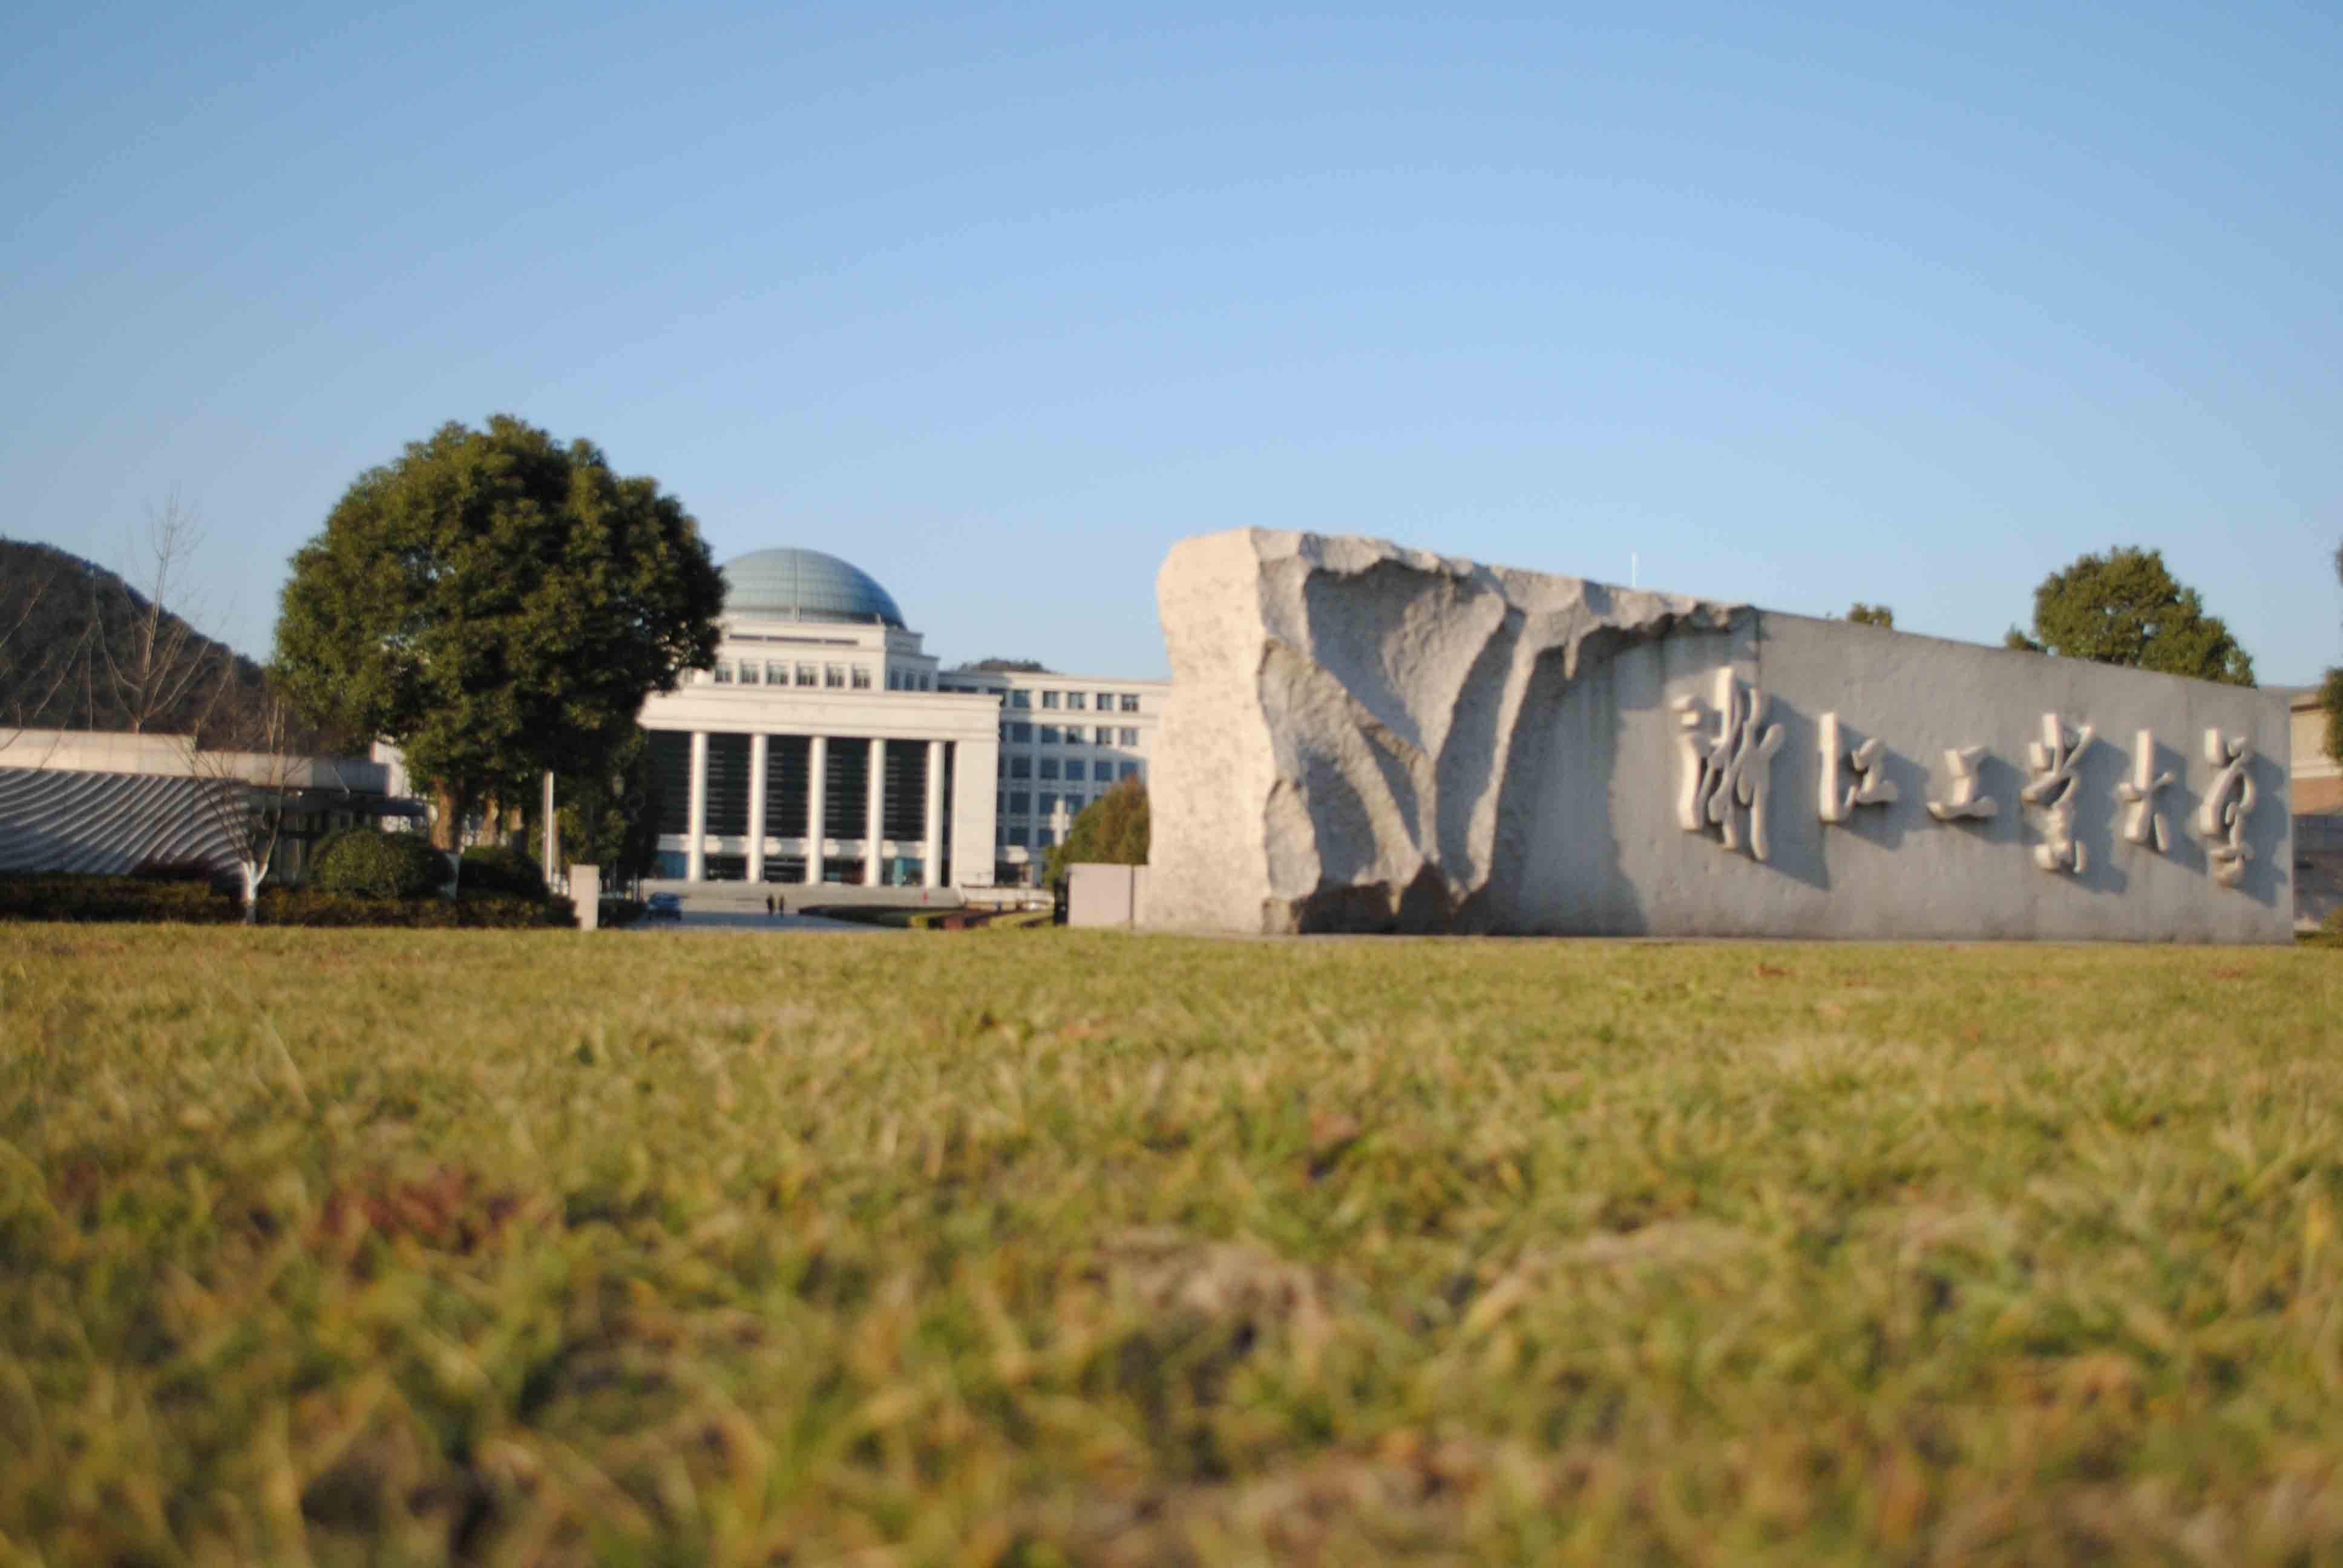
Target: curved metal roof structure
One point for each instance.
(806, 584)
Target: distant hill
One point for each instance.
(60, 615)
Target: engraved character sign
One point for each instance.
(1726, 775)
(1840, 798)
(2221, 820)
(2053, 790)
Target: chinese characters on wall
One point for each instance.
(1726, 773)
(1727, 750)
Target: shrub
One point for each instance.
(163, 869)
(477, 910)
(71, 898)
(502, 869)
(96, 899)
(362, 863)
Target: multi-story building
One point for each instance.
(828, 745)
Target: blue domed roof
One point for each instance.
(805, 585)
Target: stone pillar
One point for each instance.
(694, 854)
(874, 829)
(586, 887)
(552, 849)
(931, 845)
(757, 745)
(976, 783)
(817, 765)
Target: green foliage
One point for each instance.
(2330, 694)
(502, 868)
(1877, 615)
(1112, 830)
(70, 897)
(608, 816)
(223, 879)
(2126, 608)
(480, 911)
(379, 1246)
(137, 899)
(2330, 698)
(497, 605)
(363, 863)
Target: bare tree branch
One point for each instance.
(244, 788)
(163, 660)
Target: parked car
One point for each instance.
(666, 906)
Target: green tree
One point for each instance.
(608, 817)
(1872, 615)
(496, 604)
(1110, 830)
(2126, 608)
(2330, 698)
(2330, 693)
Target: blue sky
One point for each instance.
(1796, 305)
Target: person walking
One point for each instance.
(769, 906)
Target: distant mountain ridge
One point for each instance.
(1003, 667)
(59, 614)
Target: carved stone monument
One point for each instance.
(1361, 738)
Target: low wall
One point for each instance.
(104, 824)
(1364, 738)
(1102, 895)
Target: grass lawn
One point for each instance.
(1040, 1246)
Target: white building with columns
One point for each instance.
(827, 746)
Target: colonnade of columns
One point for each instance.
(810, 830)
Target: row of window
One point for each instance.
(832, 676)
(1108, 701)
(1105, 772)
(1070, 734)
(827, 677)
(1044, 838)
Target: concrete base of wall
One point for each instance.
(1100, 895)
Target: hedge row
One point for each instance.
(91, 899)
(114, 899)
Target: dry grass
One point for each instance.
(1045, 1247)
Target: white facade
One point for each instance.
(826, 745)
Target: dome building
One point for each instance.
(806, 586)
(827, 745)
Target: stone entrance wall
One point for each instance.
(1364, 737)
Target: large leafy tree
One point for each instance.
(496, 604)
(605, 816)
(2126, 608)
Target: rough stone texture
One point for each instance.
(1365, 738)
